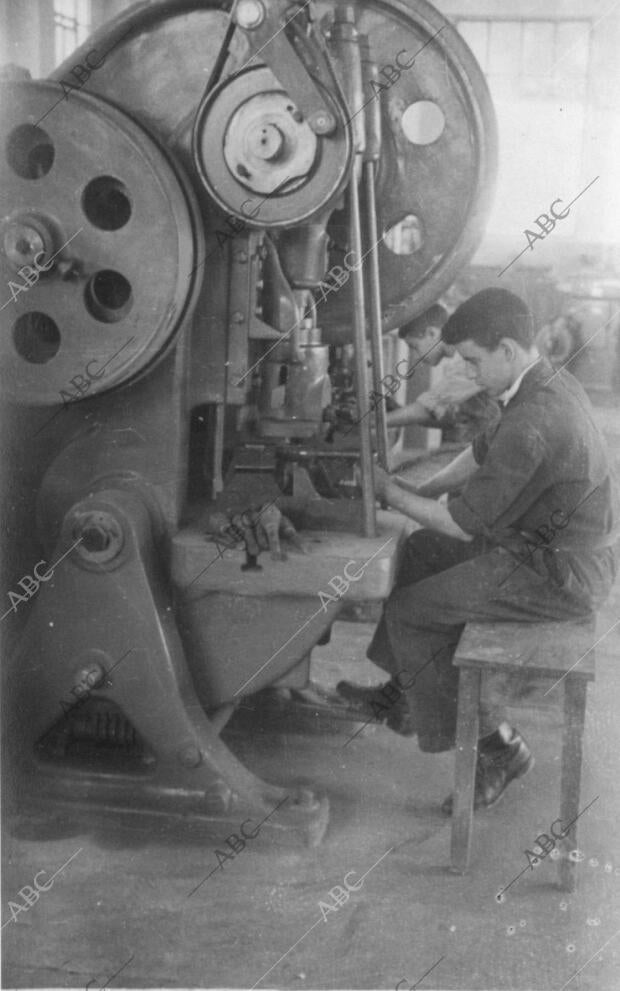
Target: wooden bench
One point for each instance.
(562, 651)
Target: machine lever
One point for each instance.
(371, 157)
(264, 30)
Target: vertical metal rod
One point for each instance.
(374, 284)
(217, 484)
(361, 369)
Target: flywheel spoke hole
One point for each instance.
(405, 236)
(423, 122)
(29, 151)
(36, 337)
(108, 296)
(106, 203)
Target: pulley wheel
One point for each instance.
(258, 156)
(96, 218)
(436, 173)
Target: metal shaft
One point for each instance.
(361, 368)
(217, 484)
(374, 285)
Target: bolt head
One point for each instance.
(89, 677)
(249, 14)
(190, 756)
(22, 240)
(322, 123)
(68, 268)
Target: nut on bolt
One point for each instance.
(190, 756)
(68, 268)
(91, 676)
(101, 536)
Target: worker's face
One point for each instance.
(493, 371)
(426, 349)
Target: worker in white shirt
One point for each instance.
(454, 403)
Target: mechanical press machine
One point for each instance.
(217, 216)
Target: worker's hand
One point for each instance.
(259, 529)
(269, 525)
(407, 486)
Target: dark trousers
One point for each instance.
(441, 584)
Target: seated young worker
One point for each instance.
(454, 403)
(528, 534)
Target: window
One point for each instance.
(536, 59)
(72, 25)
(537, 71)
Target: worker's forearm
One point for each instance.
(429, 513)
(413, 413)
(452, 477)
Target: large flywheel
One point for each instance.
(435, 175)
(436, 171)
(97, 245)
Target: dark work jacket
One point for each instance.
(544, 487)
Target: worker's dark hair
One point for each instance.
(487, 317)
(436, 316)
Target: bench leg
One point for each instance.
(572, 747)
(465, 767)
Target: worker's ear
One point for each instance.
(509, 348)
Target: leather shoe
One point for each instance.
(379, 704)
(496, 767)
(362, 699)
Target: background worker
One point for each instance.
(454, 403)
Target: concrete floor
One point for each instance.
(119, 912)
(125, 894)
